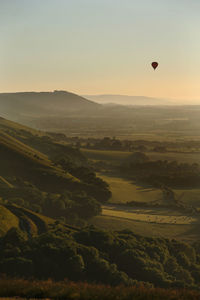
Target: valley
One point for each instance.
(91, 203)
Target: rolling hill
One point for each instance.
(26, 105)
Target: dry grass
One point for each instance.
(84, 291)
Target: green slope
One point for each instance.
(17, 159)
(14, 128)
(27, 221)
(7, 220)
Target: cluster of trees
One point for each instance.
(74, 162)
(108, 143)
(72, 207)
(46, 189)
(100, 256)
(93, 185)
(158, 173)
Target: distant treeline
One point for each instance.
(108, 143)
(161, 172)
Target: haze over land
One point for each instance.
(100, 194)
(138, 100)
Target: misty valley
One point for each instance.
(98, 193)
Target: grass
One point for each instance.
(85, 291)
(30, 222)
(153, 215)
(124, 191)
(7, 220)
(113, 156)
(10, 126)
(172, 231)
(26, 158)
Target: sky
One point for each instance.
(101, 47)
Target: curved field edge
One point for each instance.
(70, 290)
(28, 221)
(7, 220)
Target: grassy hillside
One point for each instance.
(40, 174)
(29, 222)
(14, 128)
(19, 160)
(7, 220)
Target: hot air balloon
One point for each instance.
(154, 64)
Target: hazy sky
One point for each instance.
(101, 46)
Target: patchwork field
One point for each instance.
(158, 222)
(126, 191)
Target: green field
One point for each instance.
(7, 220)
(165, 223)
(124, 191)
(113, 156)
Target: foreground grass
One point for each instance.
(71, 291)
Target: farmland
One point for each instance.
(125, 191)
(148, 221)
(119, 156)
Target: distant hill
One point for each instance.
(128, 100)
(17, 106)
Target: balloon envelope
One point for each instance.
(154, 64)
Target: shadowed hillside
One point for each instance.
(19, 160)
(18, 106)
